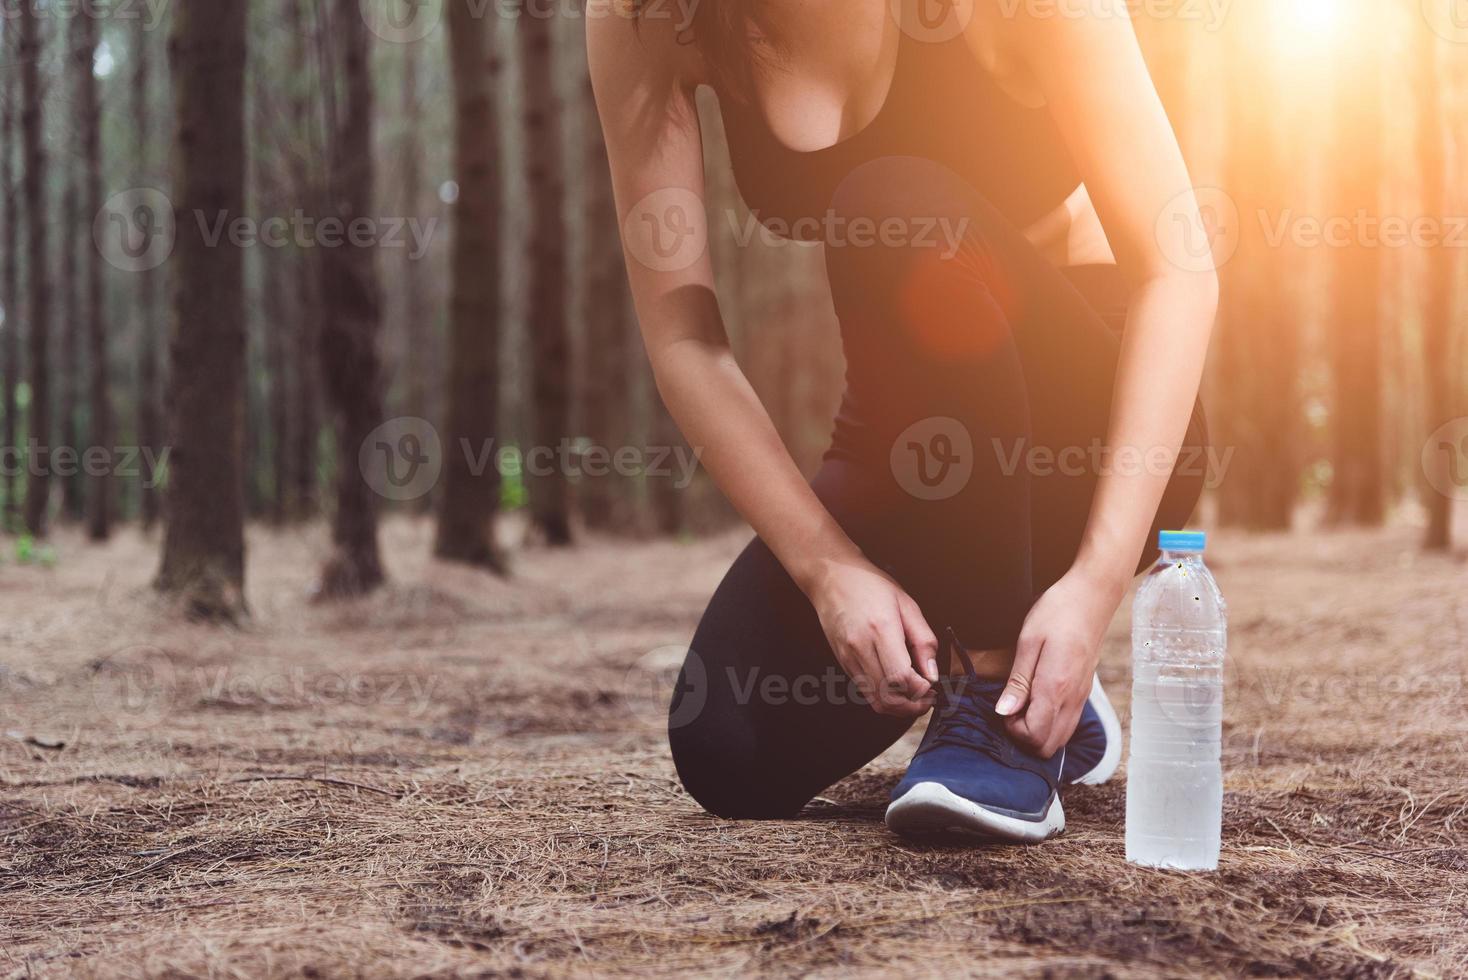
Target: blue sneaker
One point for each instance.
(969, 778)
(1094, 751)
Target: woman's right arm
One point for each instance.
(644, 83)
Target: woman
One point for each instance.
(999, 194)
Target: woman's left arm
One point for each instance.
(1095, 81)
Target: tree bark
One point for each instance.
(271, 361)
(306, 433)
(470, 500)
(546, 479)
(203, 546)
(149, 415)
(605, 501)
(1357, 489)
(277, 360)
(1260, 335)
(71, 309)
(1437, 313)
(9, 282)
(418, 326)
(667, 501)
(415, 326)
(305, 406)
(38, 306)
(352, 317)
(99, 485)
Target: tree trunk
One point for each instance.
(470, 499)
(71, 309)
(72, 301)
(668, 502)
(270, 394)
(99, 485)
(349, 363)
(546, 479)
(306, 433)
(1357, 489)
(1260, 339)
(605, 501)
(203, 546)
(415, 329)
(1437, 313)
(149, 416)
(305, 405)
(9, 282)
(277, 360)
(417, 323)
(38, 307)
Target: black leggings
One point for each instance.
(965, 456)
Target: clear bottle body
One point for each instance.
(1174, 772)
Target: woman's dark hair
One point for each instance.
(732, 35)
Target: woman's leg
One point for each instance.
(972, 365)
(762, 717)
(965, 344)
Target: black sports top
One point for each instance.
(941, 106)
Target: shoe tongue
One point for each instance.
(977, 688)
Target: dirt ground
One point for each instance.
(467, 776)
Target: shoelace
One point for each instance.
(963, 717)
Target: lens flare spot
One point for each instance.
(957, 305)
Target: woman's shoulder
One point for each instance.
(646, 39)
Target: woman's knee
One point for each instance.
(723, 774)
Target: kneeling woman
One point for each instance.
(1012, 248)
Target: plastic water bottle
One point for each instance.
(1174, 790)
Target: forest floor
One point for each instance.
(461, 775)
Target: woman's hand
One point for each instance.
(1056, 659)
(879, 636)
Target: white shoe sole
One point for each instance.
(1111, 724)
(931, 810)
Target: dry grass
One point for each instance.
(461, 776)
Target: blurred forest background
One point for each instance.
(485, 292)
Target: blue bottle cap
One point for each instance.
(1182, 540)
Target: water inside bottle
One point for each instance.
(1174, 774)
